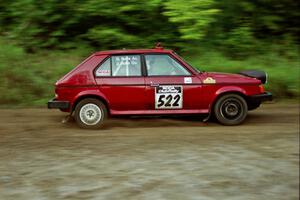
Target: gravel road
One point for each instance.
(150, 158)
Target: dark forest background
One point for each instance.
(42, 40)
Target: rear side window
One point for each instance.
(120, 65)
(104, 69)
(126, 65)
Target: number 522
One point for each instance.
(169, 101)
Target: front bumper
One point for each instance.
(53, 103)
(267, 96)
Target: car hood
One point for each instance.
(217, 78)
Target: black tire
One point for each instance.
(90, 113)
(231, 109)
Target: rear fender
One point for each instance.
(93, 93)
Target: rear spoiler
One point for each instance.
(258, 74)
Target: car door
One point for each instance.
(170, 86)
(120, 79)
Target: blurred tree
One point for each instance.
(104, 24)
(266, 19)
(135, 24)
(37, 24)
(191, 16)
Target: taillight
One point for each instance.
(261, 89)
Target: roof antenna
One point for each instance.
(158, 46)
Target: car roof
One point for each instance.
(134, 51)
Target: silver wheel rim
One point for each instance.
(90, 114)
(231, 109)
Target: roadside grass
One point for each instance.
(28, 79)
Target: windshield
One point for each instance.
(197, 70)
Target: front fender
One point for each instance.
(224, 90)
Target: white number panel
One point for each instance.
(168, 97)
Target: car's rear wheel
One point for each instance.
(231, 109)
(90, 113)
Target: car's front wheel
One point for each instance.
(90, 113)
(231, 109)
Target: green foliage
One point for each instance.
(107, 36)
(240, 42)
(192, 16)
(41, 40)
(108, 24)
(29, 78)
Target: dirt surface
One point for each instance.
(150, 158)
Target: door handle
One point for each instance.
(154, 84)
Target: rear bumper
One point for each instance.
(267, 96)
(53, 103)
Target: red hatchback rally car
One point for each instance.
(154, 82)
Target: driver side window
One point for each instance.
(164, 65)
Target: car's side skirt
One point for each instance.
(158, 112)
